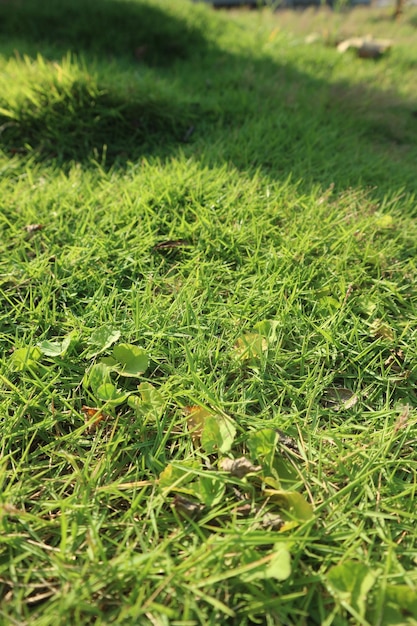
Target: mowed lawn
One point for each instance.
(208, 316)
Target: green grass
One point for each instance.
(288, 170)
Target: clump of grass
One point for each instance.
(64, 113)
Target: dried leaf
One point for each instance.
(195, 422)
(381, 330)
(402, 419)
(238, 467)
(270, 521)
(216, 432)
(89, 414)
(244, 510)
(250, 346)
(186, 507)
(33, 228)
(172, 243)
(395, 360)
(366, 47)
(340, 398)
(287, 441)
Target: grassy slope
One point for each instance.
(296, 191)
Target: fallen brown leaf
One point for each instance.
(395, 360)
(366, 47)
(172, 243)
(33, 228)
(89, 414)
(339, 398)
(238, 467)
(402, 419)
(287, 441)
(195, 422)
(381, 330)
(186, 507)
(270, 521)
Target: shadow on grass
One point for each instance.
(107, 28)
(81, 121)
(252, 112)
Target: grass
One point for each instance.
(242, 205)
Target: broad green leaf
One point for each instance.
(329, 303)
(402, 596)
(135, 403)
(101, 339)
(209, 489)
(50, 348)
(350, 583)
(292, 504)
(110, 394)
(218, 434)
(268, 329)
(174, 477)
(367, 305)
(26, 358)
(152, 400)
(98, 375)
(262, 445)
(56, 348)
(150, 405)
(67, 340)
(133, 360)
(399, 607)
(286, 473)
(111, 363)
(278, 566)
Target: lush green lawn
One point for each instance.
(207, 207)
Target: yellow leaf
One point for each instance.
(250, 346)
